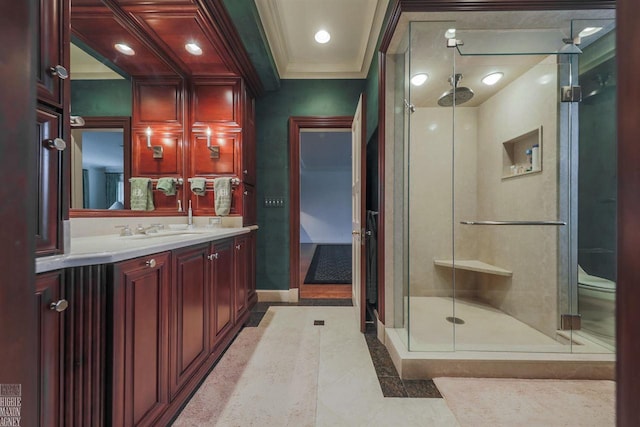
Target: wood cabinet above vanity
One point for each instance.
(195, 111)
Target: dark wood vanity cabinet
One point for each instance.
(222, 281)
(52, 36)
(52, 68)
(242, 253)
(47, 191)
(249, 199)
(170, 316)
(50, 314)
(139, 313)
(249, 141)
(190, 313)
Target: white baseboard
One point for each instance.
(290, 295)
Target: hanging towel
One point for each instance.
(198, 186)
(167, 186)
(222, 193)
(141, 194)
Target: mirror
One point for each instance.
(100, 148)
(100, 163)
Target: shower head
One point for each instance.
(461, 94)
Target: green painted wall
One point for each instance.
(101, 97)
(295, 98)
(372, 96)
(373, 78)
(246, 19)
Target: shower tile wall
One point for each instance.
(529, 251)
(431, 196)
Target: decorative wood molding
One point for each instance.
(227, 33)
(296, 124)
(128, 22)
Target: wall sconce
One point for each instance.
(214, 151)
(157, 150)
(148, 137)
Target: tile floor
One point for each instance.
(287, 371)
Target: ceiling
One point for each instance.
(278, 36)
(290, 26)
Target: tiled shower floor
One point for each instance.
(484, 329)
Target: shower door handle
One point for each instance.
(513, 222)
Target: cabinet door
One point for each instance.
(48, 160)
(189, 317)
(222, 284)
(140, 313)
(249, 205)
(242, 266)
(51, 31)
(48, 292)
(249, 143)
(252, 297)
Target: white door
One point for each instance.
(357, 219)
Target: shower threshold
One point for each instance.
(496, 364)
(490, 343)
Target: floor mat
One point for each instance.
(331, 264)
(497, 402)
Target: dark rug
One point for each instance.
(331, 264)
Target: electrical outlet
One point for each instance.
(273, 202)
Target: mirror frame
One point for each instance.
(109, 122)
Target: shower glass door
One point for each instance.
(512, 224)
(489, 160)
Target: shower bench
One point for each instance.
(473, 265)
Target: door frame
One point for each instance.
(296, 124)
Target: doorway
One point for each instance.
(320, 211)
(325, 213)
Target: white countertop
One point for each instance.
(113, 247)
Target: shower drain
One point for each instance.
(456, 320)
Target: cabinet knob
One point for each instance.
(246, 192)
(151, 263)
(238, 247)
(59, 306)
(246, 171)
(57, 143)
(213, 256)
(59, 71)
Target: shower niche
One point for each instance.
(522, 155)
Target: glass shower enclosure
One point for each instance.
(489, 174)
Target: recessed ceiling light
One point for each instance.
(589, 31)
(491, 79)
(450, 33)
(419, 79)
(123, 48)
(193, 49)
(322, 36)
